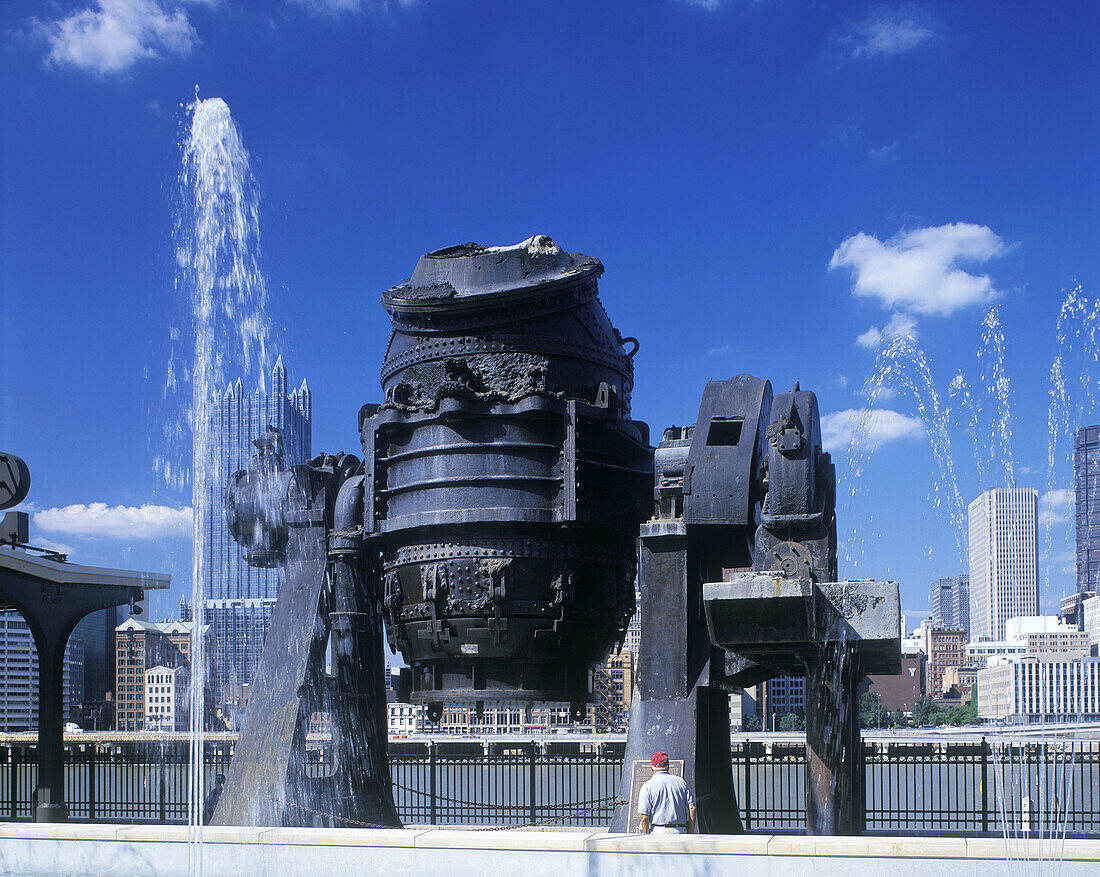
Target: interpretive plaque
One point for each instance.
(640, 772)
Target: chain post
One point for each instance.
(531, 781)
(13, 783)
(747, 748)
(90, 780)
(163, 784)
(984, 784)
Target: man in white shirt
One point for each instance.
(666, 804)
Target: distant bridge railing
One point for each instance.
(988, 785)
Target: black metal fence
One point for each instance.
(522, 786)
(998, 786)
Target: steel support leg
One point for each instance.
(835, 779)
(49, 794)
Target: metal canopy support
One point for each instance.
(52, 597)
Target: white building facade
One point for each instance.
(1090, 618)
(406, 718)
(1004, 560)
(1033, 689)
(166, 704)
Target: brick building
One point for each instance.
(944, 648)
(899, 691)
(140, 646)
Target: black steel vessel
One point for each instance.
(505, 479)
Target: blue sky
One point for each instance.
(787, 189)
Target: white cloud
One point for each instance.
(878, 394)
(709, 5)
(886, 154)
(328, 7)
(59, 547)
(888, 32)
(1056, 506)
(916, 271)
(870, 339)
(116, 34)
(718, 351)
(869, 428)
(339, 7)
(116, 522)
(900, 326)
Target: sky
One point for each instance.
(888, 202)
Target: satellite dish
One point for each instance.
(15, 480)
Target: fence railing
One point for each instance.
(1000, 786)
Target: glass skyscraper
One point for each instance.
(238, 598)
(1086, 481)
(951, 603)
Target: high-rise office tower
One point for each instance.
(951, 603)
(1004, 559)
(19, 674)
(237, 598)
(96, 635)
(1086, 481)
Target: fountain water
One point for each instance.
(901, 369)
(979, 412)
(982, 412)
(216, 238)
(1074, 397)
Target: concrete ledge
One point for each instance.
(341, 837)
(872, 847)
(1072, 849)
(163, 851)
(517, 839)
(711, 844)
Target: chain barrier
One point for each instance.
(601, 804)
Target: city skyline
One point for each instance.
(891, 204)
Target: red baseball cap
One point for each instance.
(659, 759)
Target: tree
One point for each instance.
(790, 722)
(871, 712)
(922, 711)
(900, 719)
(751, 723)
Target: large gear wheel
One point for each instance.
(793, 560)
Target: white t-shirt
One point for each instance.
(665, 798)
